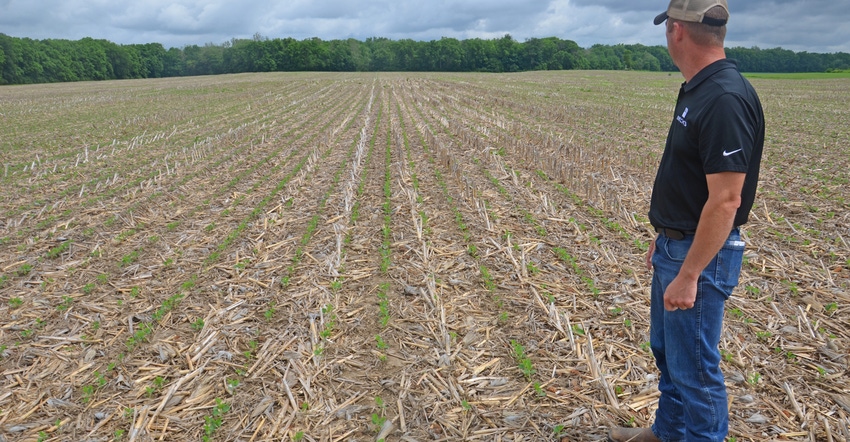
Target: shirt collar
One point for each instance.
(708, 71)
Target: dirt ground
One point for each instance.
(407, 257)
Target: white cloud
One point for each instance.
(810, 25)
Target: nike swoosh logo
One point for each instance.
(726, 154)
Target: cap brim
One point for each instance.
(660, 18)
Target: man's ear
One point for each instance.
(678, 31)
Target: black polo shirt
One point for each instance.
(718, 126)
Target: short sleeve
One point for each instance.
(727, 135)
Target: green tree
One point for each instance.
(539, 54)
(604, 57)
(123, 63)
(286, 54)
(449, 54)
(480, 56)
(151, 58)
(173, 63)
(384, 53)
(91, 62)
(341, 59)
(507, 49)
(407, 55)
(312, 55)
(23, 60)
(57, 63)
(663, 56)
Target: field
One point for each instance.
(408, 257)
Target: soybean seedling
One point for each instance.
(66, 303)
(384, 304)
(214, 421)
(24, 269)
(379, 341)
(231, 385)
(558, 430)
(378, 418)
(198, 325)
(269, 313)
(523, 361)
(59, 250)
(754, 378)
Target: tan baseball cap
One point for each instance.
(693, 11)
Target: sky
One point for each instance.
(821, 26)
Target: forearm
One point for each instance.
(714, 226)
(716, 221)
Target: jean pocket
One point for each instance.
(675, 250)
(728, 266)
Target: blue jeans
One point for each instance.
(685, 343)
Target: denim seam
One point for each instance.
(700, 369)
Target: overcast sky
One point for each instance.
(799, 25)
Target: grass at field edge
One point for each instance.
(798, 75)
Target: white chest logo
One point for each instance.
(682, 120)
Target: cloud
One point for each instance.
(623, 6)
(800, 25)
(405, 19)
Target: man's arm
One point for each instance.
(716, 221)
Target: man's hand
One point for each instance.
(680, 294)
(649, 254)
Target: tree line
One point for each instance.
(26, 61)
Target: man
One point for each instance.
(704, 190)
